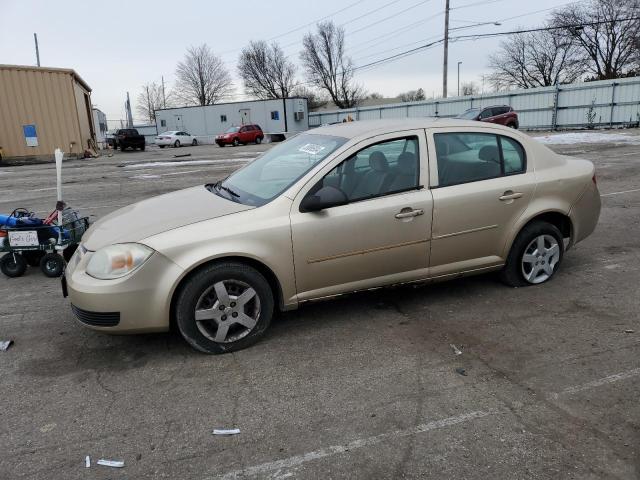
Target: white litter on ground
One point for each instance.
(188, 162)
(240, 154)
(87, 461)
(5, 344)
(230, 431)
(588, 137)
(111, 463)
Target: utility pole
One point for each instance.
(459, 78)
(164, 98)
(129, 116)
(35, 37)
(151, 112)
(445, 65)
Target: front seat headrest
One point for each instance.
(407, 163)
(378, 161)
(489, 153)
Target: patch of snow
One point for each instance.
(589, 137)
(188, 162)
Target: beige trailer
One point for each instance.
(42, 109)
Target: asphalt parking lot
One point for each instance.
(360, 387)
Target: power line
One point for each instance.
(389, 17)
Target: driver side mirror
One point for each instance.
(326, 197)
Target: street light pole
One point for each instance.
(445, 65)
(459, 78)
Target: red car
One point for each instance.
(500, 114)
(237, 135)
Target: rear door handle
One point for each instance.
(510, 195)
(407, 213)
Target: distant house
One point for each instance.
(43, 109)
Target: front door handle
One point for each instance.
(407, 213)
(510, 195)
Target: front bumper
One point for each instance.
(140, 302)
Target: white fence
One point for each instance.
(612, 102)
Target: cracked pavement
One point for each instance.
(364, 386)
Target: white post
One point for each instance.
(59, 154)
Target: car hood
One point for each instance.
(158, 214)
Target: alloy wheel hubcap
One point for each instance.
(540, 259)
(227, 311)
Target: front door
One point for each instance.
(483, 187)
(177, 120)
(245, 115)
(381, 236)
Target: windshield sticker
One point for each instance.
(311, 149)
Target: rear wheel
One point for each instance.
(224, 307)
(258, 140)
(122, 148)
(13, 265)
(52, 265)
(194, 143)
(161, 146)
(142, 147)
(177, 144)
(535, 255)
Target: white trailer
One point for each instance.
(277, 118)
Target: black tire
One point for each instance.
(193, 293)
(177, 144)
(512, 274)
(258, 140)
(221, 145)
(52, 265)
(142, 147)
(161, 146)
(13, 265)
(122, 148)
(194, 143)
(236, 142)
(33, 257)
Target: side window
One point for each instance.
(467, 157)
(380, 169)
(163, 123)
(486, 113)
(275, 115)
(513, 156)
(471, 157)
(223, 118)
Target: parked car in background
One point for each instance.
(241, 135)
(175, 138)
(500, 114)
(342, 208)
(129, 138)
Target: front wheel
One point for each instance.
(535, 255)
(161, 146)
(224, 307)
(142, 148)
(258, 140)
(13, 265)
(194, 143)
(52, 265)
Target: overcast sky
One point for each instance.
(117, 46)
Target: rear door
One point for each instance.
(481, 185)
(381, 235)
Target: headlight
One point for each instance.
(116, 261)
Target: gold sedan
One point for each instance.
(341, 208)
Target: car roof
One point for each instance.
(377, 127)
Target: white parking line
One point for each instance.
(630, 153)
(264, 468)
(620, 193)
(597, 383)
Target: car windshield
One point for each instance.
(233, 130)
(269, 175)
(470, 114)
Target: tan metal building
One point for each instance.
(42, 109)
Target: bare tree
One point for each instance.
(412, 95)
(202, 78)
(535, 59)
(611, 47)
(375, 96)
(327, 66)
(150, 99)
(265, 71)
(469, 88)
(315, 99)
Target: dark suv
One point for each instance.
(243, 134)
(500, 114)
